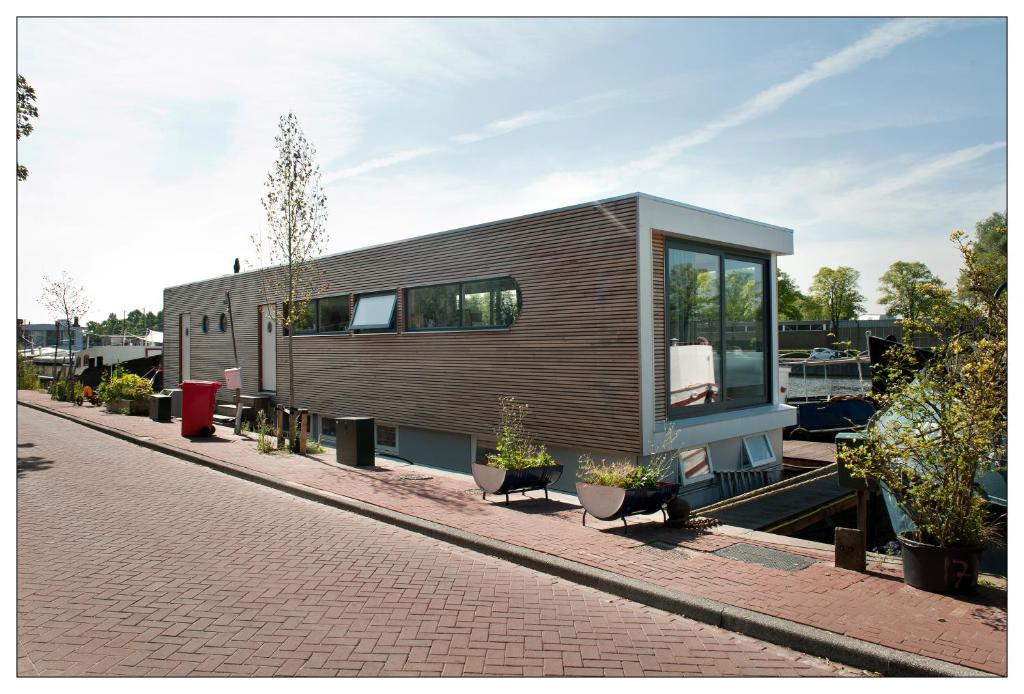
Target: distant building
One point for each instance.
(46, 335)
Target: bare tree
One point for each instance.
(295, 234)
(65, 298)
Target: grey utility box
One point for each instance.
(175, 394)
(160, 408)
(355, 440)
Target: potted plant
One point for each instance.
(517, 465)
(942, 430)
(125, 391)
(615, 490)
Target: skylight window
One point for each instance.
(758, 450)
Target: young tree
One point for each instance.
(990, 248)
(65, 298)
(791, 299)
(295, 235)
(26, 111)
(910, 290)
(836, 291)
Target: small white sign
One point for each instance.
(233, 379)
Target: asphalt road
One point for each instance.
(131, 562)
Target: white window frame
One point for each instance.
(710, 474)
(386, 449)
(749, 459)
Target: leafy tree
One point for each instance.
(790, 298)
(26, 111)
(910, 290)
(296, 209)
(135, 323)
(947, 425)
(989, 257)
(836, 291)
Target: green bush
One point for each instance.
(124, 386)
(264, 444)
(62, 391)
(515, 449)
(623, 473)
(28, 379)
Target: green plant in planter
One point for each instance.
(124, 386)
(944, 426)
(515, 449)
(622, 473)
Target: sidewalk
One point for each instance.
(876, 607)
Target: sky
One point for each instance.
(872, 138)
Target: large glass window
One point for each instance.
(716, 329)
(332, 314)
(745, 331)
(694, 328)
(304, 322)
(433, 307)
(490, 303)
(374, 312)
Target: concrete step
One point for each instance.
(228, 410)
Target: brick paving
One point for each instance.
(131, 562)
(875, 607)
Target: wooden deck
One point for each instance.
(807, 454)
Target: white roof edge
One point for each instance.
(566, 208)
(705, 210)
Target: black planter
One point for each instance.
(612, 503)
(940, 569)
(496, 480)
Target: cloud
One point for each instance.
(880, 42)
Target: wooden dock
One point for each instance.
(803, 455)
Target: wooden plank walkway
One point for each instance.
(808, 453)
(774, 511)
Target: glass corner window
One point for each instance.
(717, 319)
(374, 312)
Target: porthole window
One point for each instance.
(223, 323)
(206, 324)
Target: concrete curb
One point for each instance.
(801, 637)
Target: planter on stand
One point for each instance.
(939, 569)
(496, 480)
(613, 503)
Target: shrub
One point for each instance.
(264, 444)
(622, 473)
(515, 449)
(28, 379)
(313, 446)
(63, 391)
(945, 423)
(124, 386)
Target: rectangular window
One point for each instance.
(695, 465)
(433, 307)
(479, 304)
(490, 303)
(758, 450)
(374, 312)
(332, 314)
(387, 437)
(716, 315)
(304, 322)
(694, 328)
(745, 347)
(483, 449)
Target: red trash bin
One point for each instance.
(198, 400)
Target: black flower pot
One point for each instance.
(496, 480)
(940, 569)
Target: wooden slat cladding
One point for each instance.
(572, 354)
(658, 280)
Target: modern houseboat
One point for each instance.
(632, 327)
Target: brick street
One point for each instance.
(131, 562)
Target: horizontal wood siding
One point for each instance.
(572, 354)
(658, 280)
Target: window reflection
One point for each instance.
(744, 331)
(694, 328)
